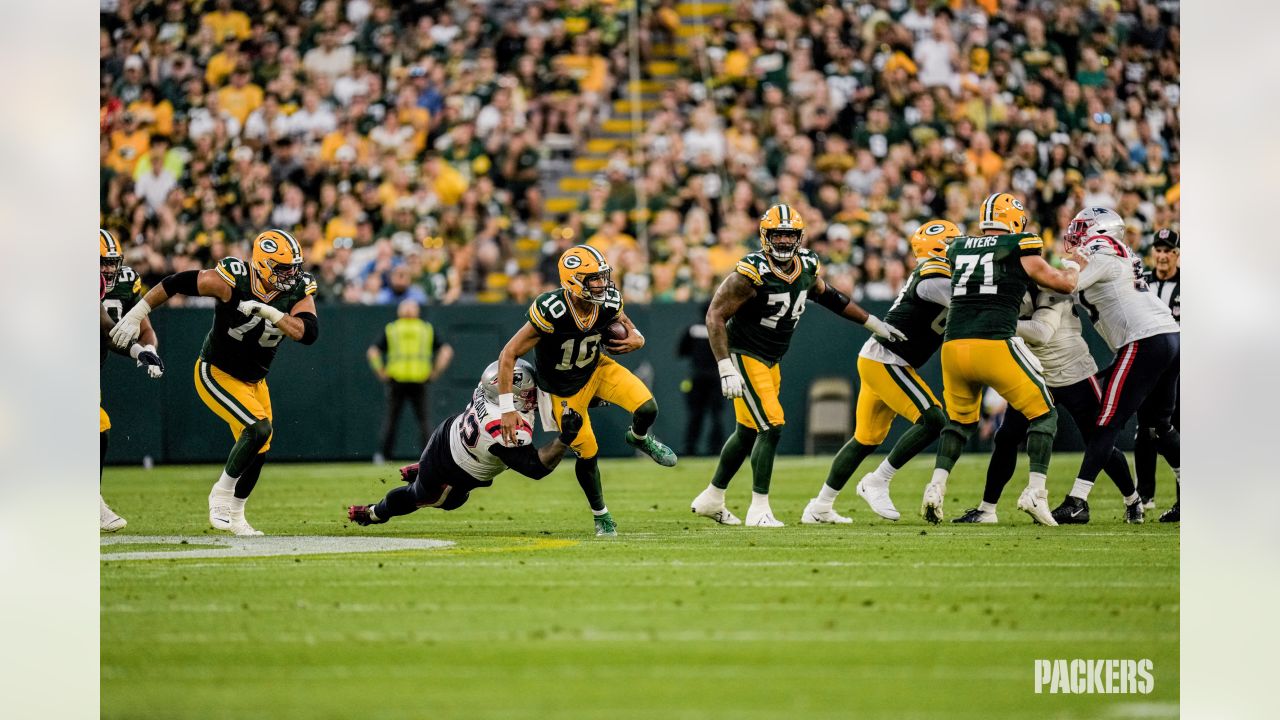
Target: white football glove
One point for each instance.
(130, 326)
(148, 358)
(730, 381)
(262, 310)
(883, 329)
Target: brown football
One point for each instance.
(616, 331)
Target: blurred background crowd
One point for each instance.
(450, 151)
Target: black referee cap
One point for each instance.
(1165, 237)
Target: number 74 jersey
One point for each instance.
(762, 327)
(987, 284)
(568, 348)
(240, 345)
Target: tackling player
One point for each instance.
(753, 315)
(991, 273)
(564, 331)
(1052, 329)
(1143, 379)
(465, 452)
(258, 305)
(119, 288)
(1166, 282)
(890, 385)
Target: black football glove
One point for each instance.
(570, 425)
(148, 358)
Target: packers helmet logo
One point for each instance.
(935, 229)
(1016, 203)
(269, 245)
(573, 262)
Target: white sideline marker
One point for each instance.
(245, 547)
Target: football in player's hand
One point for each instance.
(616, 331)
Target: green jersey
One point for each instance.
(240, 345)
(921, 320)
(568, 348)
(988, 283)
(762, 327)
(119, 300)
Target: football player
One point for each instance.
(1051, 328)
(465, 452)
(752, 317)
(990, 274)
(564, 331)
(1140, 328)
(119, 288)
(1165, 280)
(889, 384)
(259, 303)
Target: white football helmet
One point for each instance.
(524, 385)
(1090, 223)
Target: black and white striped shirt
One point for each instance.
(1169, 291)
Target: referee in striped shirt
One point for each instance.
(1165, 280)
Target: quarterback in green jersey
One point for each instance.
(990, 274)
(889, 385)
(752, 317)
(260, 303)
(564, 330)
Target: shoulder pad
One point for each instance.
(545, 309)
(1103, 245)
(1028, 241)
(935, 267)
(126, 274)
(232, 270)
(308, 284)
(750, 270)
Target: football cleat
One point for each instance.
(240, 526)
(876, 493)
(1072, 511)
(220, 508)
(605, 526)
(974, 515)
(1173, 514)
(1036, 504)
(818, 514)
(409, 473)
(708, 506)
(651, 446)
(1149, 503)
(931, 506)
(362, 515)
(763, 517)
(108, 520)
(1134, 514)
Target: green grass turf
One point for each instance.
(529, 616)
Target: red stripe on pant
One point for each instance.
(1116, 384)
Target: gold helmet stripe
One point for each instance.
(109, 240)
(596, 253)
(293, 244)
(989, 208)
(784, 213)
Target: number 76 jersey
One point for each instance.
(987, 284)
(762, 327)
(240, 345)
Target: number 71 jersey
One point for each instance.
(568, 348)
(762, 327)
(987, 284)
(240, 345)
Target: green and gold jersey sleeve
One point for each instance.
(245, 345)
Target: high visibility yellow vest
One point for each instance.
(409, 342)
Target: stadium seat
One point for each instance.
(830, 415)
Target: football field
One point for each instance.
(525, 614)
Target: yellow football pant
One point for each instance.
(610, 382)
(758, 408)
(886, 392)
(104, 422)
(971, 363)
(237, 402)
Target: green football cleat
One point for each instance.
(651, 446)
(605, 526)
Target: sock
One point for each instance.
(1131, 499)
(987, 507)
(1004, 454)
(762, 459)
(827, 495)
(735, 451)
(759, 500)
(251, 440)
(940, 478)
(227, 483)
(1081, 489)
(1040, 434)
(1036, 481)
(237, 506)
(886, 470)
(917, 437)
(1117, 468)
(400, 501)
(249, 479)
(642, 419)
(601, 511)
(714, 493)
(104, 439)
(587, 471)
(846, 463)
(951, 443)
(373, 515)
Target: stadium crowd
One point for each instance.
(403, 142)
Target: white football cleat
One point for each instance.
(763, 517)
(240, 526)
(108, 520)
(220, 508)
(931, 506)
(818, 514)
(707, 505)
(1036, 504)
(876, 493)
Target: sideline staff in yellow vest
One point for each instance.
(407, 357)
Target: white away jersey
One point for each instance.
(1113, 291)
(1052, 330)
(478, 429)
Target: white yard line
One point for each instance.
(247, 547)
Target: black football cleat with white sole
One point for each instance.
(1173, 514)
(1072, 511)
(974, 515)
(1134, 513)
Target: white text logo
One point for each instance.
(1080, 676)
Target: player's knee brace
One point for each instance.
(1046, 423)
(258, 433)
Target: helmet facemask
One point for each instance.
(782, 243)
(284, 277)
(1076, 234)
(110, 269)
(594, 287)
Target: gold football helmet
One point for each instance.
(585, 274)
(277, 260)
(781, 232)
(109, 259)
(1003, 211)
(932, 238)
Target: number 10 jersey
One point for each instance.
(240, 345)
(762, 327)
(568, 348)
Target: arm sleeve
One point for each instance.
(522, 458)
(935, 290)
(1044, 322)
(310, 328)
